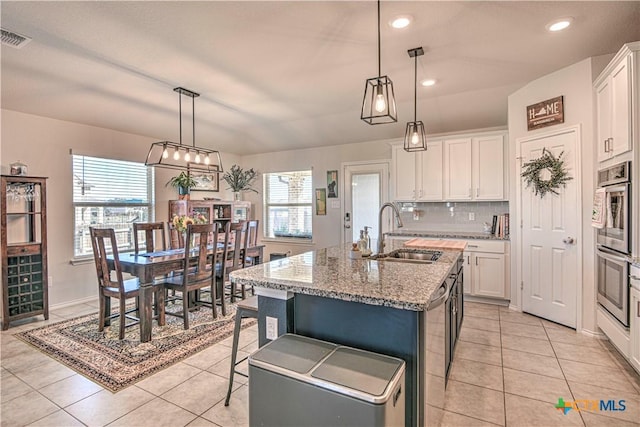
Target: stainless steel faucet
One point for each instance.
(380, 234)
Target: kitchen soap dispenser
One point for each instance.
(367, 242)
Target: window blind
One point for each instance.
(288, 200)
(110, 194)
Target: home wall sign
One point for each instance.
(545, 113)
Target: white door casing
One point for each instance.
(550, 256)
(349, 170)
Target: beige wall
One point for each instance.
(575, 84)
(43, 144)
(326, 229)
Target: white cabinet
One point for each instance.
(634, 318)
(474, 168)
(417, 176)
(485, 269)
(613, 90)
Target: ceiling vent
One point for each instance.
(12, 39)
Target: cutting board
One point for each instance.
(451, 245)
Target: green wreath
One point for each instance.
(555, 165)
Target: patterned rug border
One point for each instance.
(202, 337)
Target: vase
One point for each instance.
(237, 196)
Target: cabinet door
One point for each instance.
(620, 109)
(488, 274)
(603, 118)
(466, 273)
(457, 167)
(430, 172)
(488, 167)
(634, 316)
(404, 174)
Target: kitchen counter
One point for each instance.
(445, 234)
(378, 306)
(330, 273)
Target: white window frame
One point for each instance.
(267, 205)
(149, 204)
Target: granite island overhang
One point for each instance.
(374, 305)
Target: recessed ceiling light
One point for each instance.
(559, 24)
(428, 82)
(401, 21)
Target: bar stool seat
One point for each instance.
(246, 308)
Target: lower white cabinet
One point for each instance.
(634, 329)
(485, 269)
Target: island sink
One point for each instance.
(411, 255)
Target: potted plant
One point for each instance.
(183, 182)
(240, 180)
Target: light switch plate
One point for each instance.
(472, 216)
(335, 204)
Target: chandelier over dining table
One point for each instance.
(172, 155)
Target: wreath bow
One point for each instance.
(555, 165)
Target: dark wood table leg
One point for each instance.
(146, 312)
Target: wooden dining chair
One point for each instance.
(112, 285)
(176, 238)
(154, 236)
(251, 241)
(199, 272)
(238, 231)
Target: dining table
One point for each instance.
(146, 266)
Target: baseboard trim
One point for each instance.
(85, 300)
(500, 302)
(593, 334)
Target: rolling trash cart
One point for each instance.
(301, 381)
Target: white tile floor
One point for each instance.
(509, 369)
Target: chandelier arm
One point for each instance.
(193, 121)
(415, 92)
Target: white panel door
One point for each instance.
(457, 167)
(488, 167)
(550, 232)
(404, 174)
(431, 171)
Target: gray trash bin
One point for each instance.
(301, 381)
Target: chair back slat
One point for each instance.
(200, 269)
(151, 231)
(98, 238)
(176, 238)
(251, 235)
(238, 231)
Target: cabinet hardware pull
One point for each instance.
(476, 260)
(477, 192)
(638, 310)
(468, 260)
(472, 246)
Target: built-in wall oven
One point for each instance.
(614, 246)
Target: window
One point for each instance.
(110, 193)
(288, 203)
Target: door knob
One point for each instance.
(568, 241)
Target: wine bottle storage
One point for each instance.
(24, 248)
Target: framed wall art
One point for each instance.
(206, 182)
(332, 184)
(321, 201)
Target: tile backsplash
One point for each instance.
(450, 216)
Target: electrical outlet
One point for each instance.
(472, 216)
(272, 328)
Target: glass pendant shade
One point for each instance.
(415, 138)
(379, 103)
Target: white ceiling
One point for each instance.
(282, 75)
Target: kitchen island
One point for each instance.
(380, 306)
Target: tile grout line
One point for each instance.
(504, 387)
(563, 374)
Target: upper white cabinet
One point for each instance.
(614, 104)
(474, 168)
(418, 175)
(464, 167)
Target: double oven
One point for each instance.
(613, 241)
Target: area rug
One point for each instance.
(116, 364)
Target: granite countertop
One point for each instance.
(446, 234)
(331, 273)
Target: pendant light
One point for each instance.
(171, 155)
(379, 103)
(415, 138)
